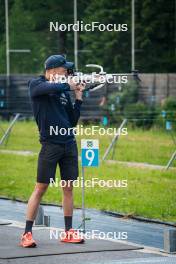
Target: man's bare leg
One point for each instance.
(33, 204)
(67, 203)
(72, 236)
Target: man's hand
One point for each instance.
(79, 91)
(72, 83)
(80, 87)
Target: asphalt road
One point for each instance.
(142, 233)
(146, 234)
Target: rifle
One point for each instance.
(83, 78)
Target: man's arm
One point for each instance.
(73, 111)
(39, 87)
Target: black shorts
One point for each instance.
(65, 155)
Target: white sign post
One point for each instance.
(89, 158)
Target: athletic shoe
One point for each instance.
(72, 236)
(27, 240)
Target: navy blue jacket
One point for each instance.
(52, 108)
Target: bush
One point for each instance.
(169, 106)
(167, 112)
(140, 114)
(118, 100)
(125, 104)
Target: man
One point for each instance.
(52, 106)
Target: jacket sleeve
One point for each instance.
(39, 87)
(73, 111)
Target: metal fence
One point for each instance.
(152, 88)
(15, 98)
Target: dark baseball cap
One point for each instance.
(55, 61)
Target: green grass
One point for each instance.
(150, 146)
(150, 193)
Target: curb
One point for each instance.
(110, 213)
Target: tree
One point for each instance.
(155, 40)
(110, 49)
(29, 28)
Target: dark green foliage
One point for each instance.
(29, 29)
(170, 107)
(140, 114)
(110, 49)
(117, 101)
(155, 36)
(126, 104)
